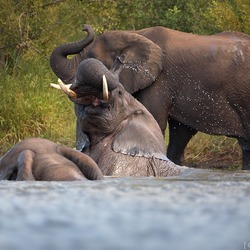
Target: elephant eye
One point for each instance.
(120, 92)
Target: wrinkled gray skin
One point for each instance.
(125, 139)
(199, 83)
(43, 160)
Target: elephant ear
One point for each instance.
(143, 59)
(140, 137)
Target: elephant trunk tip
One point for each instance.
(64, 67)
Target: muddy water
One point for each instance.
(205, 211)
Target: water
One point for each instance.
(208, 211)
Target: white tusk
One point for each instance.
(105, 88)
(64, 88)
(61, 82)
(56, 86)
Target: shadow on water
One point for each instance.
(200, 209)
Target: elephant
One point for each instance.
(124, 138)
(43, 160)
(192, 82)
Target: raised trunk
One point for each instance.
(65, 68)
(89, 77)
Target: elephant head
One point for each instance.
(124, 137)
(143, 64)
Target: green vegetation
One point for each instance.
(31, 108)
(30, 29)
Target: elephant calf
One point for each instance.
(43, 160)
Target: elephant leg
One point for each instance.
(179, 136)
(245, 147)
(24, 166)
(246, 159)
(8, 169)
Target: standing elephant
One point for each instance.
(198, 83)
(125, 139)
(43, 160)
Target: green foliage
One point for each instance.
(202, 17)
(30, 29)
(229, 16)
(34, 26)
(31, 108)
(38, 26)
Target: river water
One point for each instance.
(208, 212)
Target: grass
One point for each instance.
(216, 152)
(29, 107)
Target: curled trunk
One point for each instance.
(90, 75)
(65, 68)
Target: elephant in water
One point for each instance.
(43, 160)
(198, 83)
(124, 138)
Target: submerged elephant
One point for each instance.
(199, 83)
(124, 138)
(43, 160)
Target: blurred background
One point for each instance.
(31, 29)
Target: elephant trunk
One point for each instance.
(64, 68)
(90, 76)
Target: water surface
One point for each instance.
(197, 211)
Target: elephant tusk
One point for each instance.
(65, 88)
(56, 86)
(105, 88)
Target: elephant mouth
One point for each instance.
(80, 97)
(90, 100)
(96, 99)
(95, 107)
(87, 100)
